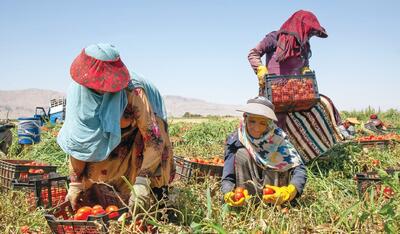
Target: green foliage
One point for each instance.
(329, 204)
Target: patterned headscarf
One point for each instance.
(272, 150)
(295, 33)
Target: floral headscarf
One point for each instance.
(272, 150)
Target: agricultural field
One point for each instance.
(330, 203)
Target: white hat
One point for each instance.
(259, 106)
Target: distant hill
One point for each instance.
(22, 103)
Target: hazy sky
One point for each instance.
(199, 49)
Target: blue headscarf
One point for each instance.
(92, 125)
(152, 93)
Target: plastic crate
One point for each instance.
(14, 171)
(374, 143)
(48, 193)
(367, 179)
(60, 221)
(186, 169)
(291, 93)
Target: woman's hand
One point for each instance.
(261, 72)
(140, 195)
(75, 193)
(282, 194)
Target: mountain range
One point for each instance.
(22, 103)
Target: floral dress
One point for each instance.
(145, 150)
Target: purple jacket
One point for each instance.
(267, 47)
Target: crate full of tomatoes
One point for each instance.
(371, 180)
(87, 219)
(197, 167)
(291, 93)
(48, 192)
(12, 171)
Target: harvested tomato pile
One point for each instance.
(215, 161)
(57, 196)
(390, 136)
(293, 90)
(84, 212)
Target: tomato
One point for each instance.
(239, 190)
(268, 191)
(388, 192)
(39, 171)
(80, 216)
(111, 208)
(95, 207)
(194, 160)
(238, 196)
(111, 211)
(86, 210)
(139, 226)
(25, 229)
(98, 211)
(375, 162)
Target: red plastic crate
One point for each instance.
(60, 221)
(291, 93)
(48, 193)
(14, 171)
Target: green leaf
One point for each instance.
(218, 228)
(209, 208)
(196, 226)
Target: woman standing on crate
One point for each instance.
(259, 155)
(287, 52)
(115, 126)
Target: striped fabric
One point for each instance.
(315, 131)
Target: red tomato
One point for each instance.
(238, 196)
(239, 190)
(388, 192)
(111, 208)
(95, 207)
(139, 227)
(98, 211)
(194, 160)
(86, 210)
(80, 216)
(375, 162)
(24, 229)
(39, 171)
(111, 211)
(268, 191)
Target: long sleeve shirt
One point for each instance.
(298, 174)
(267, 47)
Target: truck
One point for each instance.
(55, 113)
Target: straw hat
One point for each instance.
(259, 106)
(353, 120)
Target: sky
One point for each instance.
(198, 49)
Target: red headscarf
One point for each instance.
(295, 33)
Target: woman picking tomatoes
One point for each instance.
(260, 158)
(287, 52)
(115, 126)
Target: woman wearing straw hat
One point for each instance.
(258, 154)
(348, 128)
(115, 126)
